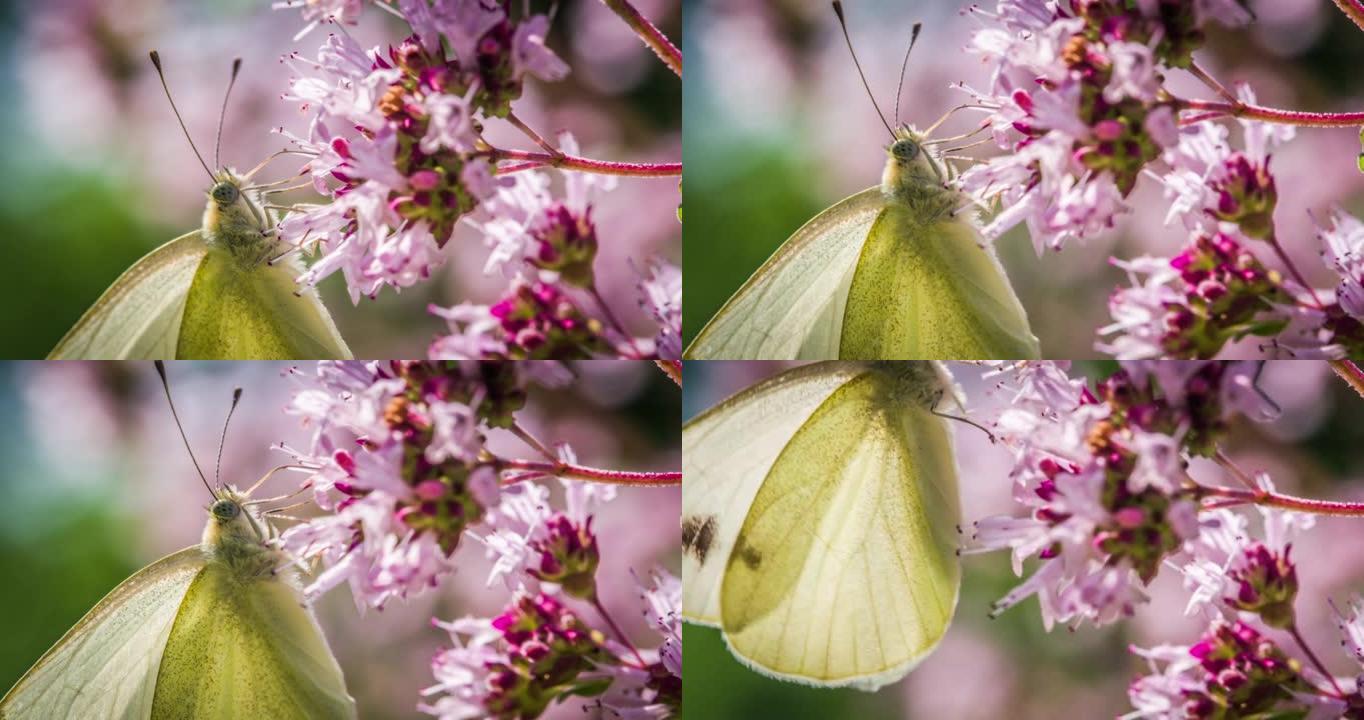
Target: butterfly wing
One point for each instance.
(248, 650)
(139, 316)
(257, 312)
(106, 666)
(792, 307)
(727, 452)
(932, 291)
(844, 570)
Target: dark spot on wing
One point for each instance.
(697, 536)
(747, 554)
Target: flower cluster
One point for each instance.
(1100, 469)
(1076, 99)
(539, 649)
(1101, 472)
(1193, 304)
(400, 468)
(1233, 671)
(1217, 291)
(1247, 587)
(395, 142)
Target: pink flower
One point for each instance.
(1099, 473)
(399, 468)
(529, 54)
(1343, 242)
(320, 11)
(661, 295)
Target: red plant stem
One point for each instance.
(572, 162)
(1350, 373)
(671, 368)
(582, 472)
(651, 35)
(1234, 496)
(1274, 115)
(1353, 9)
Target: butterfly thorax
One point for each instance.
(917, 383)
(234, 222)
(238, 538)
(916, 178)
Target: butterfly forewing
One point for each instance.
(139, 316)
(106, 666)
(792, 306)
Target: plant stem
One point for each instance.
(530, 440)
(1350, 373)
(671, 368)
(611, 622)
(530, 133)
(1321, 667)
(532, 160)
(1353, 9)
(1274, 115)
(1293, 269)
(582, 472)
(651, 35)
(1236, 496)
(615, 322)
(1212, 82)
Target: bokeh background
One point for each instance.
(1010, 667)
(95, 484)
(778, 127)
(97, 173)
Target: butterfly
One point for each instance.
(897, 271)
(219, 292)
(217, 630)
(819, 521)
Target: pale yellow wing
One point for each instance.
(931, 291)
(139, 316)
(106, 666)
(727, 452)
(844, 571)
(255, 313)
(792, 307)
(248, 649)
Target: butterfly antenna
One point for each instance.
(217, 468)
(222, 115)
(913, 38)
(156, 60)
(165, 385)
(842, 23)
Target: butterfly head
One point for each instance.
(234, 221)
(909, 160)
(225, 193)
(231, 520)
(914, 175)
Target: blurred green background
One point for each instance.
(778, 127)
(97, 174)
(1010, 667)
(95, 484)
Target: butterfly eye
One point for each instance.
(905, 149)
(225, 510)
(225, 193)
